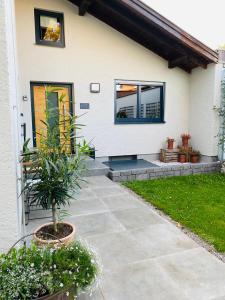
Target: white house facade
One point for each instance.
(97, 53)
(116, 76)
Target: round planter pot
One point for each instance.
(63, 241)
(182, 158)
(170, 144)
(194, 159)
(185, 142)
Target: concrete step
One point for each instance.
(95, 168)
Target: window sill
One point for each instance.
(49, 44)
(138, 122)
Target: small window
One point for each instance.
(138, 102)
(49, 28)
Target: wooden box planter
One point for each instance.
(169, 155)
(60, 296)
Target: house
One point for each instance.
(132, 76)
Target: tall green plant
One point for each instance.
(57, 172)
(221, 113)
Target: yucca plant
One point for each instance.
(57, 171)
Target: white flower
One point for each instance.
(54, 266)
(32, 265)
(67, 294)
(61, 284)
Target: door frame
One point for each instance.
(69, 85)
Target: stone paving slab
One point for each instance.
(144, 281)
(95, 224)
(200, 275)
(143, 256)
(137, 218)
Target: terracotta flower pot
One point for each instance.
(182, 158)
(170, 144)
(62, 241)
(194, 158)
(185, 141)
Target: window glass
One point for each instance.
(139, 103)
(150, 101)
(49, 29)
(126, 101)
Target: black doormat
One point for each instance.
(120, 165)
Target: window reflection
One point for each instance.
(50, 29)
(126, 101)
(139, 102)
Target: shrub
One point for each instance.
(33, 272)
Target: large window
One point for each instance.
(139, 102)
(49, 28)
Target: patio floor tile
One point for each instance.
(109, 191)
(84, 207)
(137, 217)
(122, 201)
(94, 224)
(163, 239)
(199, 274)
(144, 281)
(117, 249)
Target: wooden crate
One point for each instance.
(167, 155)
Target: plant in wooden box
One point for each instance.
(185, 140)
(170, 142)
(57, 173)
(194, 156)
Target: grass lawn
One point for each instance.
(197, 202)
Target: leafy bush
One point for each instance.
(32, 272)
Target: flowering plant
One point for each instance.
(33, 272)
(185, 136)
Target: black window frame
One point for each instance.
(139, 120)
(47, 13)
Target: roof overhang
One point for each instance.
(150, 29)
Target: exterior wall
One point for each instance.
(203, 119)
(9, 224)
(95, 52)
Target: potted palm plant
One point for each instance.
(57, 173)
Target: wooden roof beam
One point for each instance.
(83, 7)
(185, 59)
(177, 61)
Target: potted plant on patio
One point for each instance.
(194, 156)
(183, 154)
(57, 174)
(170, 142)
(45, 273)
(185, 140)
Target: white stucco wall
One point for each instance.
(203, 119)
(10, 208)
(95, 52)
